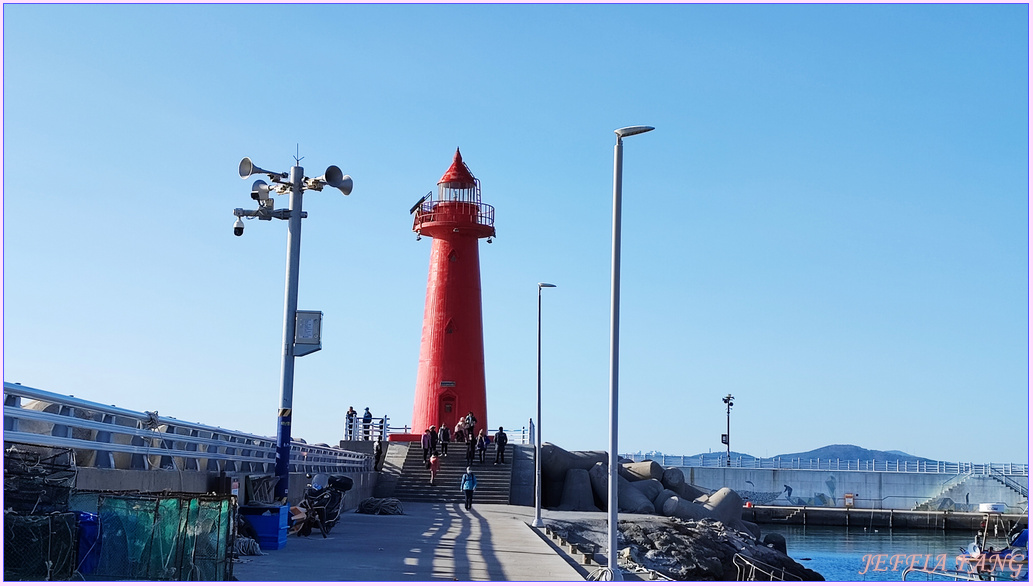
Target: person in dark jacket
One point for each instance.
(501, 439)
(471, 450)
(443, 438)
(425, 444)
(367, 419)
(482, 445)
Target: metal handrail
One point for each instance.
(176, 444)
(1003, 479)
(912, 466)
(747, 570)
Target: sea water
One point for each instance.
(857, 554)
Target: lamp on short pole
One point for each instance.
(726, 438)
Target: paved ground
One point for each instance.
(431, 541)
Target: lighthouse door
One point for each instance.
(446, 409)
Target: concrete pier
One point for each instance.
(878, 518)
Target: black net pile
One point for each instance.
(40, 547)
(34, 483)
(40, 535)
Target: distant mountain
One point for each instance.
(851, 452)
(832, 452)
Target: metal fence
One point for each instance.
(104, 436)
(835, 464)
(516, 435)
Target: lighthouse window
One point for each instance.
(453, 256)
(450, 327)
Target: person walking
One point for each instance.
(468, 484)
(433, 440)
(367, 419)
(459, 436)
(471, 450)
(443, 437)
(435, 465)
(468, 424)
(482, 445)
(425, 444)
(350, 418)
(378, 451)
(501, 439)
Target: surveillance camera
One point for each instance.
(238, 228)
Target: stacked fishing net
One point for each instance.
(375, 506)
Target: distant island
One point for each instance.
(830, 452)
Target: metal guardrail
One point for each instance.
(748, 569)
(1001, 476)
(836, 464)
(523, 435)
(104, 436)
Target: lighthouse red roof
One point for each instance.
(458, 175)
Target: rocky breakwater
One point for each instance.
(674, 527)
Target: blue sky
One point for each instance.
(830, 221)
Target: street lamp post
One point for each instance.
(300, 337)
(615, 291)
(538, 422)
(727, 439)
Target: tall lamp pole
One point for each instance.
(615, 295)
(301, 330)
(538, 422)
(727, 439)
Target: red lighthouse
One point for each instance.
(450, 380)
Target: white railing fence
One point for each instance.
(104, 436)
(717, 460)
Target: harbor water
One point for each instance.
(858, 555)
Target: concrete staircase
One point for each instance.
(953, 483)
(413, 478)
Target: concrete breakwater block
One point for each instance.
(672, 478)
(661, 498)
(629, 499)
(689, 492)
(650, 488)
(683, 509)
(725, 505)
(555, 463)
(644, 470)
(577, 492)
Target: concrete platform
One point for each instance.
(430, 542)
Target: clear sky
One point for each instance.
(830, 221)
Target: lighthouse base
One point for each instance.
(404, 437)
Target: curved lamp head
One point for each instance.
(540, 285)
(632, 130)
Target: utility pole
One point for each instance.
(301, 329)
